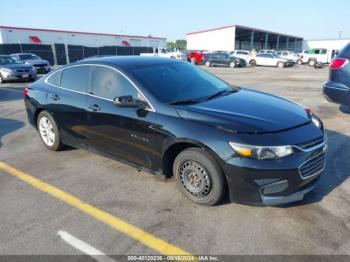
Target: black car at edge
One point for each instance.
(337, 88)
(172, 118)
(223, 59)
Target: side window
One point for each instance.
(55, 78)
(109, 84)
(76, 78)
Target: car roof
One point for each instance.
(128, 62)
(23, 54)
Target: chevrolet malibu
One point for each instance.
(174, 119)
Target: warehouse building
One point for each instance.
(61, 47)
(236, 37)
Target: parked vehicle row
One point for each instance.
(22, 67)
(12, 69)
(168, 53)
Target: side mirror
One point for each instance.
(129, 101)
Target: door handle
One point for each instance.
(94, 108)
(55, 97)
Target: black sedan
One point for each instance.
(337, 88)
(223, 59)
(174, 119)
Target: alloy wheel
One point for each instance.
(47, 132)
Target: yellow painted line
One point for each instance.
(134, 232)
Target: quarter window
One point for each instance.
(76, 78)
(109, 84)
(55, 78)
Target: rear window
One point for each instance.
(76, 78)
(345, 52)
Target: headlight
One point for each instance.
(7, 70)
(316, 121)
(261, 152)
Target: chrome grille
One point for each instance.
(312, 143)
(40, 65)
(313, 166)
(22, 70)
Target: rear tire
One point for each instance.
(48, 131)
(280, 65)
(199, 177)
(232, 65)
(312, 62)
(252, 63)
(299, 62)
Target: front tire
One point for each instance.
(199, 177)
(232, 64)
(48, 131)
(299, 62)
(280, 65)
(208, 64)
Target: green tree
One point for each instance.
(181, 44)
(170, 44)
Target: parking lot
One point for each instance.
(35, 218)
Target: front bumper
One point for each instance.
(42, 69)
(275, 182)
(18, 76)
(336, 93)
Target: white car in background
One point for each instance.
(271, 60)
(242, 54)
(290, 56)
(169, 53)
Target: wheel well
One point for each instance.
(170, 155)
(37, 112)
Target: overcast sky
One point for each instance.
(173, 19)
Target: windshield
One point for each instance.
(179, 81)
(5, 60)
(28, 57)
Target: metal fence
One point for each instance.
(60, 55)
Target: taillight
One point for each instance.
(338, 63)
(26, 91)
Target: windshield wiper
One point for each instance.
(184, 101)
(220, 93)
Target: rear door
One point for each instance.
(67, 102)
(123, 132)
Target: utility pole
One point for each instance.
(340, 34)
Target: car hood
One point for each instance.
(36, 61)
(247, 111)
(16, 66)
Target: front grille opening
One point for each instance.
(313, 166)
